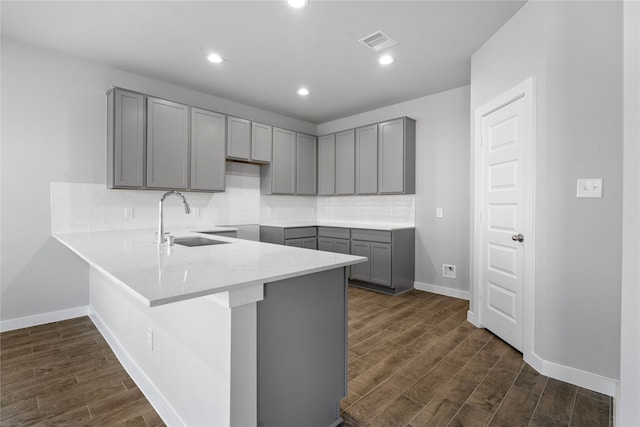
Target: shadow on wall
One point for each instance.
(66, 277)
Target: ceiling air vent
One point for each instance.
(378, 41)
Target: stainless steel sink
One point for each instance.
(197, 241)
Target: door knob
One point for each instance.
(517, 238)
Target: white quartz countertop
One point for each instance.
(162, 275)
(359, 225)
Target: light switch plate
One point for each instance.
(589, 187)
(438, 212)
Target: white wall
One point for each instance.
(442, 181)
(53, 130)
(628, 410)
(573, 49)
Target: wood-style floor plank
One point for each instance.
(415, 361)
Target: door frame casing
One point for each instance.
(526, 91)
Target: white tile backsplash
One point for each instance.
(84, 207)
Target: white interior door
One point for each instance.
(502, 228)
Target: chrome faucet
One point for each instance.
(161, 237)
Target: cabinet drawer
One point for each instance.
(371, 235)
(337, 233)
(295, 233)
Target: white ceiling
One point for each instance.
(271, 49)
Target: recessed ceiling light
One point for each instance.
(298, 4)
(303, 91)
(215, 58)
(386, 59)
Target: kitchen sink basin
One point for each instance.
(197, 241)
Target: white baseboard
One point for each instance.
(442, 290)
(584, 379)
(41, 319)
(153, 395)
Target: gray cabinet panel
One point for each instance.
(326, 165)
(306, 150)
(261, 142)
(310, 243)
(381, 264)
(167, 144)
(207, 150)
(325, 244)
(371, 235)
(336, 232)
(125, 133)
(345, 163)
(361, 271)
(302, 350)
(238, 138)
(283, 163)
(297, 232)
(391, 157)
(297, 243)
(367, 160)
(342, 246)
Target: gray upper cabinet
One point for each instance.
(367, 160)
(167, 144)
(326, 165)
(238, 138)
(283, 162)
(396, 156)
(207, 150)
(125, 133)
(261, 139)
(345, 163)
(306, 159)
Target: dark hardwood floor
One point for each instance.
(413, 361)
(65, 374)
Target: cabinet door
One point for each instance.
(381, 264)
(341, 246)
(367, 160)
(326, 165)
(126, 149)
(310, 243)
(345, 163)
(167, 144)
(361, 271)
(238, 138)
(293, 242)
(261, 142)
(207, 150)
(306, 149)
(391, 157)
(325, 244)
(283, 163)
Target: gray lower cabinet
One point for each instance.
(391, 264)
(326, 165)
(125, 136)
(328, 244)
(261, 140)
(304, 242)
(397, 156)
(167, 144)
(345, 163)
(207, 143)
(366, 164)
(306, 163)
(238, 138)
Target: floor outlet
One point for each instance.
(150, 338)
(449, 271)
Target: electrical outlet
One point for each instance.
(438, 212)
(589, 187)
(195, 211)
(128, 213)
(448, 271)
(150, 338)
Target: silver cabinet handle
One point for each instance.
(517, 238)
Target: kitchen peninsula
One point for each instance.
(237, 333)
